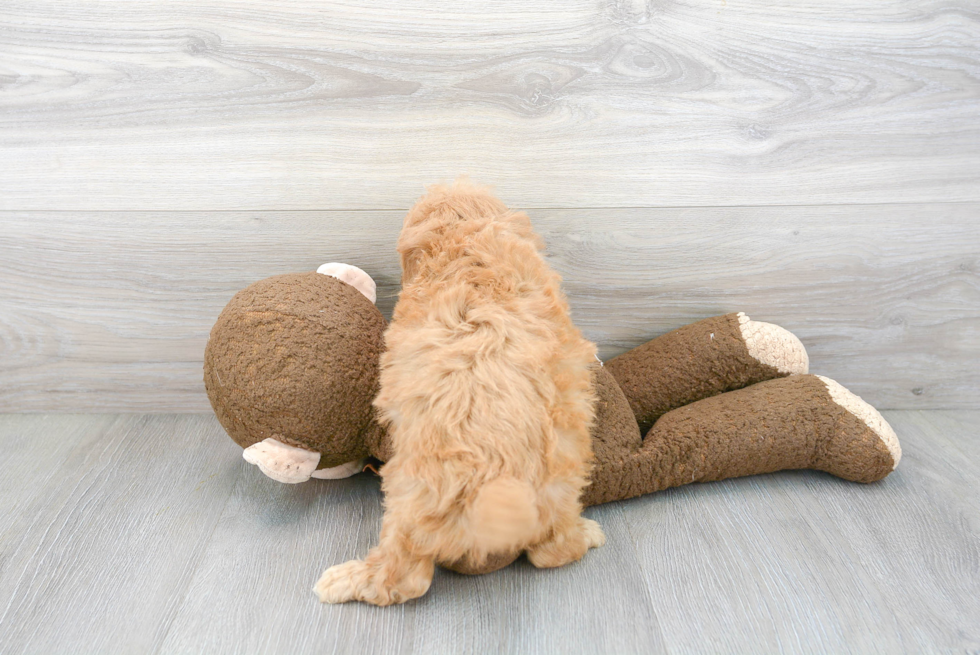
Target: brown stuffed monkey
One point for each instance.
(291, 369)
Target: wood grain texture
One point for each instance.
(34, 450)
(97, 557)
(149, 534)
(307, 104)
(111, 311)
(253, 591)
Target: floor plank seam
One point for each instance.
(199, 558)
(46, 531)
(621, 509)
(346, 210)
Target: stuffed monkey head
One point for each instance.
(291, 368)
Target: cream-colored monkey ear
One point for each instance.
(353, 276)
(281, 461)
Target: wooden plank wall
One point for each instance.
(816, 165)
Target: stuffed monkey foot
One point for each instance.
(704, 359)
(870, 417)
(773, 346)
(797, 422)
(803, 421)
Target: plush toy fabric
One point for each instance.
(295, 358)
(291, 368)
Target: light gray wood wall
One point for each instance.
(816, 165)
(111, 311)
(310, 104)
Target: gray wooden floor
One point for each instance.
(148, 534)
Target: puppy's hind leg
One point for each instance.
(568, 544)
(391, 573)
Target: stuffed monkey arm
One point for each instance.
(704, 359)
(798, 422)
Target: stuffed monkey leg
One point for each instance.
(798, 422)
(704, 359)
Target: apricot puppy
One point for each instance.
(486, 388)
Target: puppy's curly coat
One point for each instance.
(486, 388)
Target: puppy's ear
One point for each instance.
(410, 265)
(411, 245)
(519, 223)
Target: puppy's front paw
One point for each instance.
(339, 584)
(374, 581)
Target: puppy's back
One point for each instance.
(485, 379)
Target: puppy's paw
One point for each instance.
(339, 584)
(564, 548)
(594, 535)
(373, 582)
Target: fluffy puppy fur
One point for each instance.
(486, 388)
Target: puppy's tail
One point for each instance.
(504, 514)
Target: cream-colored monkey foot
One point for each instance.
(773, 345)
(867, 414)
(281, 461)
(353, 276)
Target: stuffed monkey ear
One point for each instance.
(353, 276)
